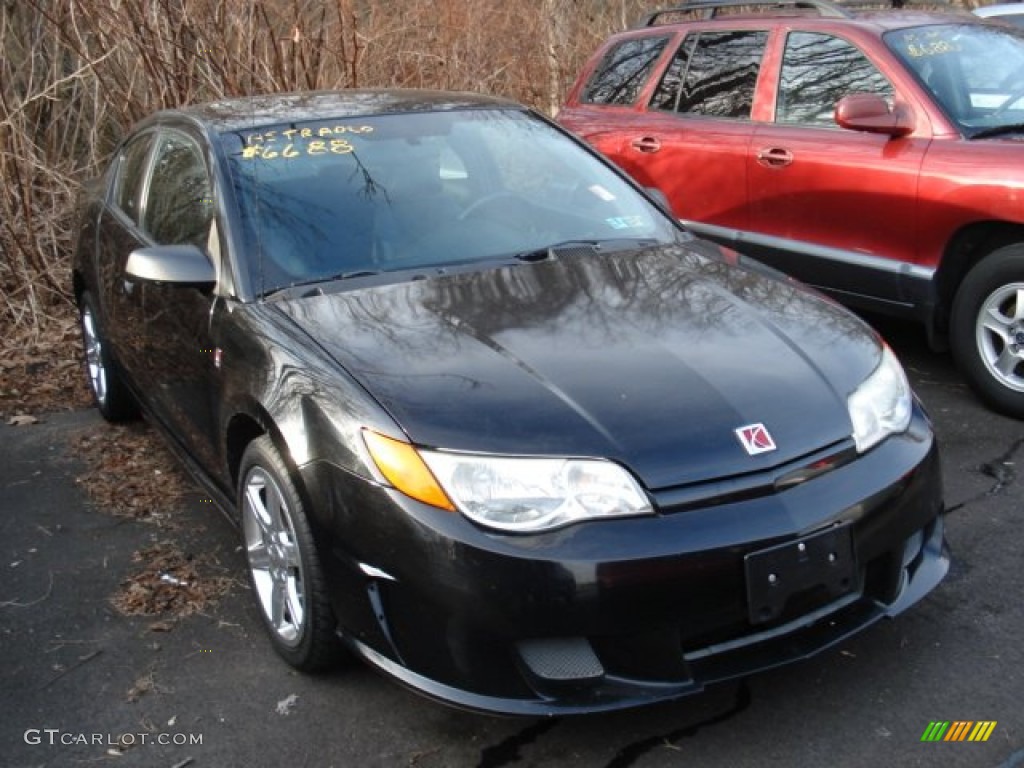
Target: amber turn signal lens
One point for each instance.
(404, 469)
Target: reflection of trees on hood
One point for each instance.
(656, 290)
(675, 293)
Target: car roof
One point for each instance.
(260, 110)
(860, 14)
(1000, 9)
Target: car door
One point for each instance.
(833, 207)
(694, 145)
(171, 348)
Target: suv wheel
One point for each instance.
(284, 570)
(987, 332)
(112, 397)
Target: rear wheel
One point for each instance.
(987, 329)
(284, 568)
(112, 397)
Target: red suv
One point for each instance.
(878, 156)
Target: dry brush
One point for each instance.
(75, 74)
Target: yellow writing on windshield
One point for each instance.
(290, 134)
(929, 42)
(936, 48)
(313, 148)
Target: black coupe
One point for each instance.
(486, 415)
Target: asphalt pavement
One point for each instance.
(83, 684)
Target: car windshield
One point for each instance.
(339, 198)
(975, 71)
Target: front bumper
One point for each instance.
(618, 613)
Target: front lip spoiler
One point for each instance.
(802, 638)
(612, 694)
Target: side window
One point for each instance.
(817, 71)
(179, 206)
(623, 71)
(130, 174)
(713, 74)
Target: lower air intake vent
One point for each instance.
(561, 659)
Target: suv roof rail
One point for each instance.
(924, 5)
(712, 7)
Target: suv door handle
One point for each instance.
(646, 144)
(774, 157)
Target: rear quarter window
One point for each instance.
(621, 75)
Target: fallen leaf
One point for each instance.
(21, 420)
(284, 706)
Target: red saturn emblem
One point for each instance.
(755, 439)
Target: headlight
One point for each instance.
(509, 493)
(881, 405)
(533, 494)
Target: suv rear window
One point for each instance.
(713, 74)
(623, 71)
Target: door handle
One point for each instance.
(646, 144)
(774, 157)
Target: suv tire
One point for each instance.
(987, 329)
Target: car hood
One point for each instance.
(652, 358)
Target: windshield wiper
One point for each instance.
(998, 130)
(550, 251)
(325, 279)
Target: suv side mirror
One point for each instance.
(181, 264)
(870, 112)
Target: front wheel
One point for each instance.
(284, 569)
(987, 329)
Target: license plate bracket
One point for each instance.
(774, 574)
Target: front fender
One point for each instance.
(277, 381)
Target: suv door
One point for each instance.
(830, 206)
(694, 143)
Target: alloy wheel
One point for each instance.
(999, 332)
(274, 558)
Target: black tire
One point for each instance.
(284, 569)
(988, 350)
(109, 392)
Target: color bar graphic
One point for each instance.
(958, 730)
(982, 730)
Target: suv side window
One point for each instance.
(817, 71)
(131, 172)
(623, 71)
(179, 205)
(713, 74)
